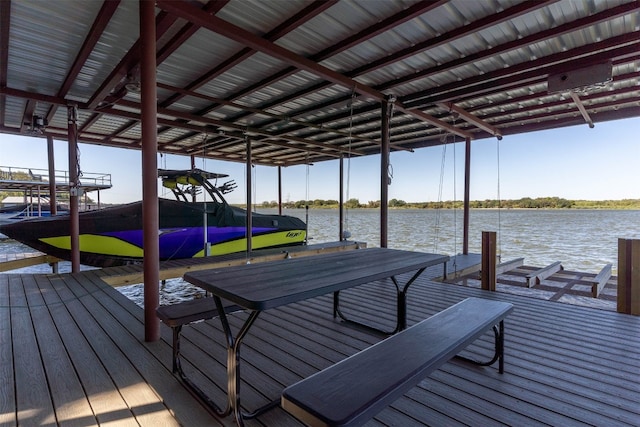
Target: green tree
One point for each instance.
(352, 203)
(395, 203)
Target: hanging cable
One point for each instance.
(346, 232)
(455, 195)
(306, 197)
(455, 201)
(436, 236)
(391, 102)
(163, 163)
(254, 186)
(499, 201)
(205, 213)
(204, 159)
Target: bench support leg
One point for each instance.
(176, 348)
(190, 385)
(498, 331)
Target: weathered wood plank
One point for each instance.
(509, 265)
(629, 276)
(104, 397)
(7, 379)
(33, 398)
(565, 365)
(70, 402)
(100, 328)
(25, 260)
(125, 331)
(488, 270)
(535, 277)
(601, 279)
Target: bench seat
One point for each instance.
(177, 315)
(354, 390)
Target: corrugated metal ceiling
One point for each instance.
(475, 69)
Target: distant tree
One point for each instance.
(352, 203)
(395, 203)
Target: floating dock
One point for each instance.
(73, 354)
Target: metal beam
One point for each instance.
(454, 34)
(315, 8)
(206, 120)
(386, 24)
(432, 120)
(249, 216)
(467, 192)
(74, 219)
(5, 26)
(27, 116)
(526, 99)
(240, 35)
(130, 61)
(303, 124)
(618, 47)
(470, 118)
(548, 34)
(583, 111)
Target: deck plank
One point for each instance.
(33, 399)
(564, 364)
(153, 373)
(552, 349)
(70, 402)
(145, 405)
(7, 394)
(102, 393)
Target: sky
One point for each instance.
(576, 162)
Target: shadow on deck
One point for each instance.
(73, 354)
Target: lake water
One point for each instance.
(583, 240)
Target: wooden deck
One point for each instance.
(72, 353)
(10, 262)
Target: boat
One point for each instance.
(113, 235)
(19, 212)
(12, 213)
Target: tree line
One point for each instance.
(523, 203)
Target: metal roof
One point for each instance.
(305, 79)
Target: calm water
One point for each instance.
(584, 240)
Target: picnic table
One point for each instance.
(259, 287)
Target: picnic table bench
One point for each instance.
(354, 390)
(177, 315)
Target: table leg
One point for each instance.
(401, 307)
(233, 367)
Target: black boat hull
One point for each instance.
(113, 236)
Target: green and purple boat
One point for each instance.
(113, 236)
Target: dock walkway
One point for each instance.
(73, 354)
